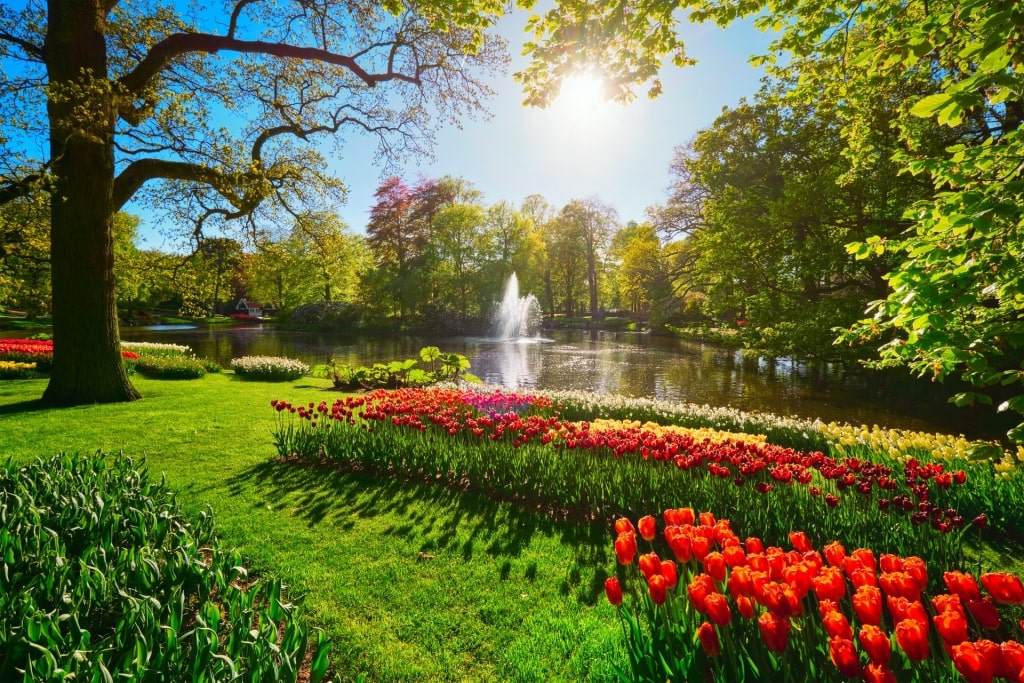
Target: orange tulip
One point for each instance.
(875, 643)
(867, 605)
(700, 546)
(775, 631)
(844, 655)
(948, 602)
(970, 662)
(916, 567)
(625, 547)
(952, 626)
(706, 519)
(709, 640)
(648, 527)
(1004, 588)
(866, 558)
(613, 590)
(754, 545)
(658, 589)
(912, 637)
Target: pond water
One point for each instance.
(630, 364)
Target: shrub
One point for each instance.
(104, 578)
(170, 367)
(269, 368)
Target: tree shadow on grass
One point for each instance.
(448, 520)
(32, 406)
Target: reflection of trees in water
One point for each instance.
(631, 365)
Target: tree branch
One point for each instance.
(30, 49)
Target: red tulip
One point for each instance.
(625, 547)
(952, 626)
(740, 582)
(679, 542)
(699, 546)
(613, 590)
(889, 563)
(946, 602)
(916, 567)
(775, 631)
(671, 573)
(844, 655)
(650, 564)
(706, 519)
(875, 643)
(835, 553)
(800, 541)
(984, 610)
(1004, 588)
(745, 606)
(700, 587)
(829, 584)
(648, 528)
(867, 604)
(709, 640)
(714, 565)
(865, 556)
(717, 607)
(901, 608)
(734, 556)
(900, 584)
(913, 638)
(878, 673)
(623, 525)
(754, 545)
(836, 625)
(972, 665)
(963, 585)
(1012, 663)
(658, 589)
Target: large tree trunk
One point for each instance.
(87, 364)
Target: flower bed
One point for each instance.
(38, 351)
(269, 368)
(534, 453)
(728, 610)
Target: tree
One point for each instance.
(594, 222)
(457, 240)
(25, 257)
(956, 300)
(132, 99)
(539, 215)
(641, 271)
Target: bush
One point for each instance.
(170, 367)
(269, 368)
(104, 578)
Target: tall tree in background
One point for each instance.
(539, 215)
(956, 299)
(593, 222)
(130, 97)
(25, 256)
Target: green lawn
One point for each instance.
(411, 582)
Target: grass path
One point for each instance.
(412, 583)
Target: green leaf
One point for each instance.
(928, 106)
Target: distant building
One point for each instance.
(247, 307)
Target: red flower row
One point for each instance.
(884, 595)
(40, 348)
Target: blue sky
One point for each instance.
(617, 153)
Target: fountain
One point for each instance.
(515, 317)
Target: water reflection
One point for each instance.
(628, 364)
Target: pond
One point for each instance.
(630, 364)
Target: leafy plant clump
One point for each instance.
(440, 367)
(170, 367)
(104, 578)
(269, 368)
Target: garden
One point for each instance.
(454, 531)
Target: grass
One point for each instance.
(411, 582)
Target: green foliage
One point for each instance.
(170, 367)
(441, 367)
(102, 573)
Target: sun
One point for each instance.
(580, 94)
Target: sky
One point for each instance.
(619, 154)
